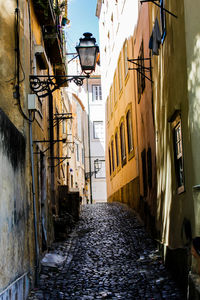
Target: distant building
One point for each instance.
(90, 95)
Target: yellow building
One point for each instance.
(118, 88)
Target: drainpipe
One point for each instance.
(88, 99)
(51, 135)
(34, 204)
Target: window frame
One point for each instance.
(178, 155)
(119, 67)
(115, 89)
(122, 142)
(98, 94)
(108, 109)
(94, 135)
(113, 155)
(110, 162)
(129, 131)
(111, 101)
(125, 55)
(144, 172)
(175, 122)
(117, 146)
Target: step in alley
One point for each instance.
(108, 256)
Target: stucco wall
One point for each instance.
(169, 96)
(14, 207)
(192, 33)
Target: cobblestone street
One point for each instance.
(108, 256)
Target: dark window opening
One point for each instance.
(110, 166)
(144, 171)
(123, 144)
(178, 155)
(129, 131)
(117, 148)
(149, 166)
(113, 156)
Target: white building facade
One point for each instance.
(90, 95)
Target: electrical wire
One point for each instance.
(18, 64)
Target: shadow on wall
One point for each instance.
(15, 213)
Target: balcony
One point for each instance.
(44, 11)
(53, 41)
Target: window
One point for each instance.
(96, 93)
(113, 156)
(120, 74)
(98, 132)
(141, 71)
(149, 166)
(129, 131)
(178, 149)
(107, 109)
(163, 19)
(125, 50)
(123, 144)
(111, 102)
(110, 166)
(117, 148)
(115, 89)
(144, 172)
(101, 173)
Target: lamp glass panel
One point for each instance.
(87, 57)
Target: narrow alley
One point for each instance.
(107, 256)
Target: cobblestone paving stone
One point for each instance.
(108, 256)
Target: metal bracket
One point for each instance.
(47, 141)
(90, 174)
(44, 85)
(140, 68)
(59, 158)
(61, 117)
(154, 2)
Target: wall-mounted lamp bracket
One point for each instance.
(47, 141)
(155, 2)
(44, 85)
(75, 55)
(61, 160)
(141, 68)
(97, 165)
(61, 117)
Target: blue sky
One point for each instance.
(81, 14)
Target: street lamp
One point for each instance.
(97, 168)
(45, 85)
(87, 51)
